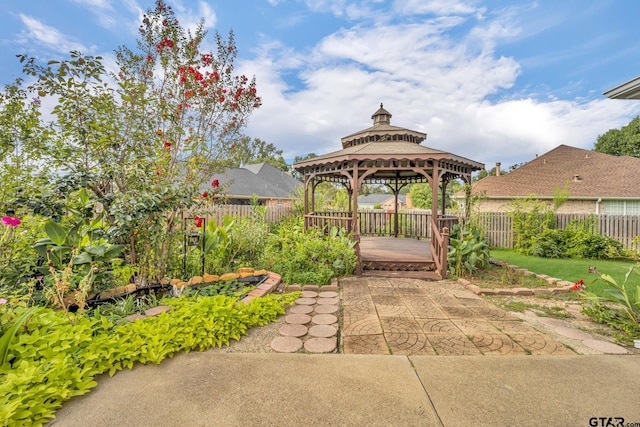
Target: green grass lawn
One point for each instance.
(567, 268)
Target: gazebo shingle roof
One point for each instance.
(589, 174)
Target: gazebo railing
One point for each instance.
(379, 223)
(326, 220)
(440, 248)
(412, 224)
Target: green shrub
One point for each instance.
(307, 256)
(246, 241)
(549, 244)
(579, 239)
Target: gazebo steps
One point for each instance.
(398, 265)
(423, 275)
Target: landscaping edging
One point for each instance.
(270, 285)
(562, 286)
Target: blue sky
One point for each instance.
(489, 80)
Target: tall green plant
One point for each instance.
(468, 250)
(530, 217)
(626, 295)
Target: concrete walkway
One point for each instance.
(215, 389)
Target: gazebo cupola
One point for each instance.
(381, 117)
(382, 131)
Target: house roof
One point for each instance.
(627, 90)
(589, 174)
(261, 179)
(373, 199)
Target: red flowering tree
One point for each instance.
(145, 147)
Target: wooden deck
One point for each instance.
(392, 256)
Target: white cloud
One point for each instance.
(436, 7)
(42, 34)
(441, 76)
(190, 18)
(102, 9)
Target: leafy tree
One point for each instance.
(247, 150)
(22, 141)
(145, 147)
(421, 196)
(621, 142)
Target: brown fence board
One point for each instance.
(624, 228)
(273, 213)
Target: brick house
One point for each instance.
(597, 183)
(270, 185)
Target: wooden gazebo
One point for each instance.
(391, 156)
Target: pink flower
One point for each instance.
(3, 301)
(11, 221)
(215, 183)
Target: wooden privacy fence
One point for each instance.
(272, 213)
(416, 223)
(624, 228)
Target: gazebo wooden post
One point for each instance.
(307, 178)
(434, 193)
(395, 209)
(443, 194)
(355, 185)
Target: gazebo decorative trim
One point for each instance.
(389, 155)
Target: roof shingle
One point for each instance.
(589, 174)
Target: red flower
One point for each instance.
(164, 43)
(198, 221)
(149, 58)
(167, 144)
(578, 286)
(221, 99)
(205, 194)
(215, 183)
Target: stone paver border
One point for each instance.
(562, 286)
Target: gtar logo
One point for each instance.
(606, 422)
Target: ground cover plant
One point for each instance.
(50, 359)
